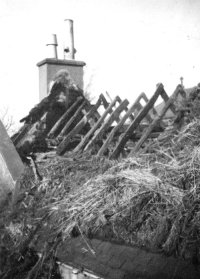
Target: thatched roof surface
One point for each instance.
(150, 199)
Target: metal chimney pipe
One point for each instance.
(54, 44)
(71, 38)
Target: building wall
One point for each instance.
(43, 85)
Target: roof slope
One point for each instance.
(150, 199)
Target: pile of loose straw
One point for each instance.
(151, 199)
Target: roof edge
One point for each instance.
(55, 61)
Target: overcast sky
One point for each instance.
(128, 45)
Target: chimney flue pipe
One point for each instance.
(71, 38)
(54, 44)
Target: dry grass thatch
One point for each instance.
(125, 199)
(151, 200)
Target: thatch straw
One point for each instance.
(151, 200)
(110, 198)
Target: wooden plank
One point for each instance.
(64, 144)
(130, 116)
(63, 118)
(136, 105)
(136, 122)
(30, 133)
(96, 126)
(126, 109)
(145, 98)
(153, 109)
(109, 97)
(96, 113)
(147, 117)
(117, 119)
(115, 114)
(138, 136)
(139, 107)
(166, 98)
(104, 101)
(106, 104)
(71, 120)
(22, 132)
(116, 129)
(157, 119)
(27, 130)
(111, 111)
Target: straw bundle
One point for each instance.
(120, 201)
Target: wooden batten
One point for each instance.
(165, 97)
(96, 126)
(157, 119)
(116, 129)
(72, 120)
(136, 122)
(64, 144)
(114, 116)
(63, 119)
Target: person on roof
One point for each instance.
(62, 94)
(40, 120)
